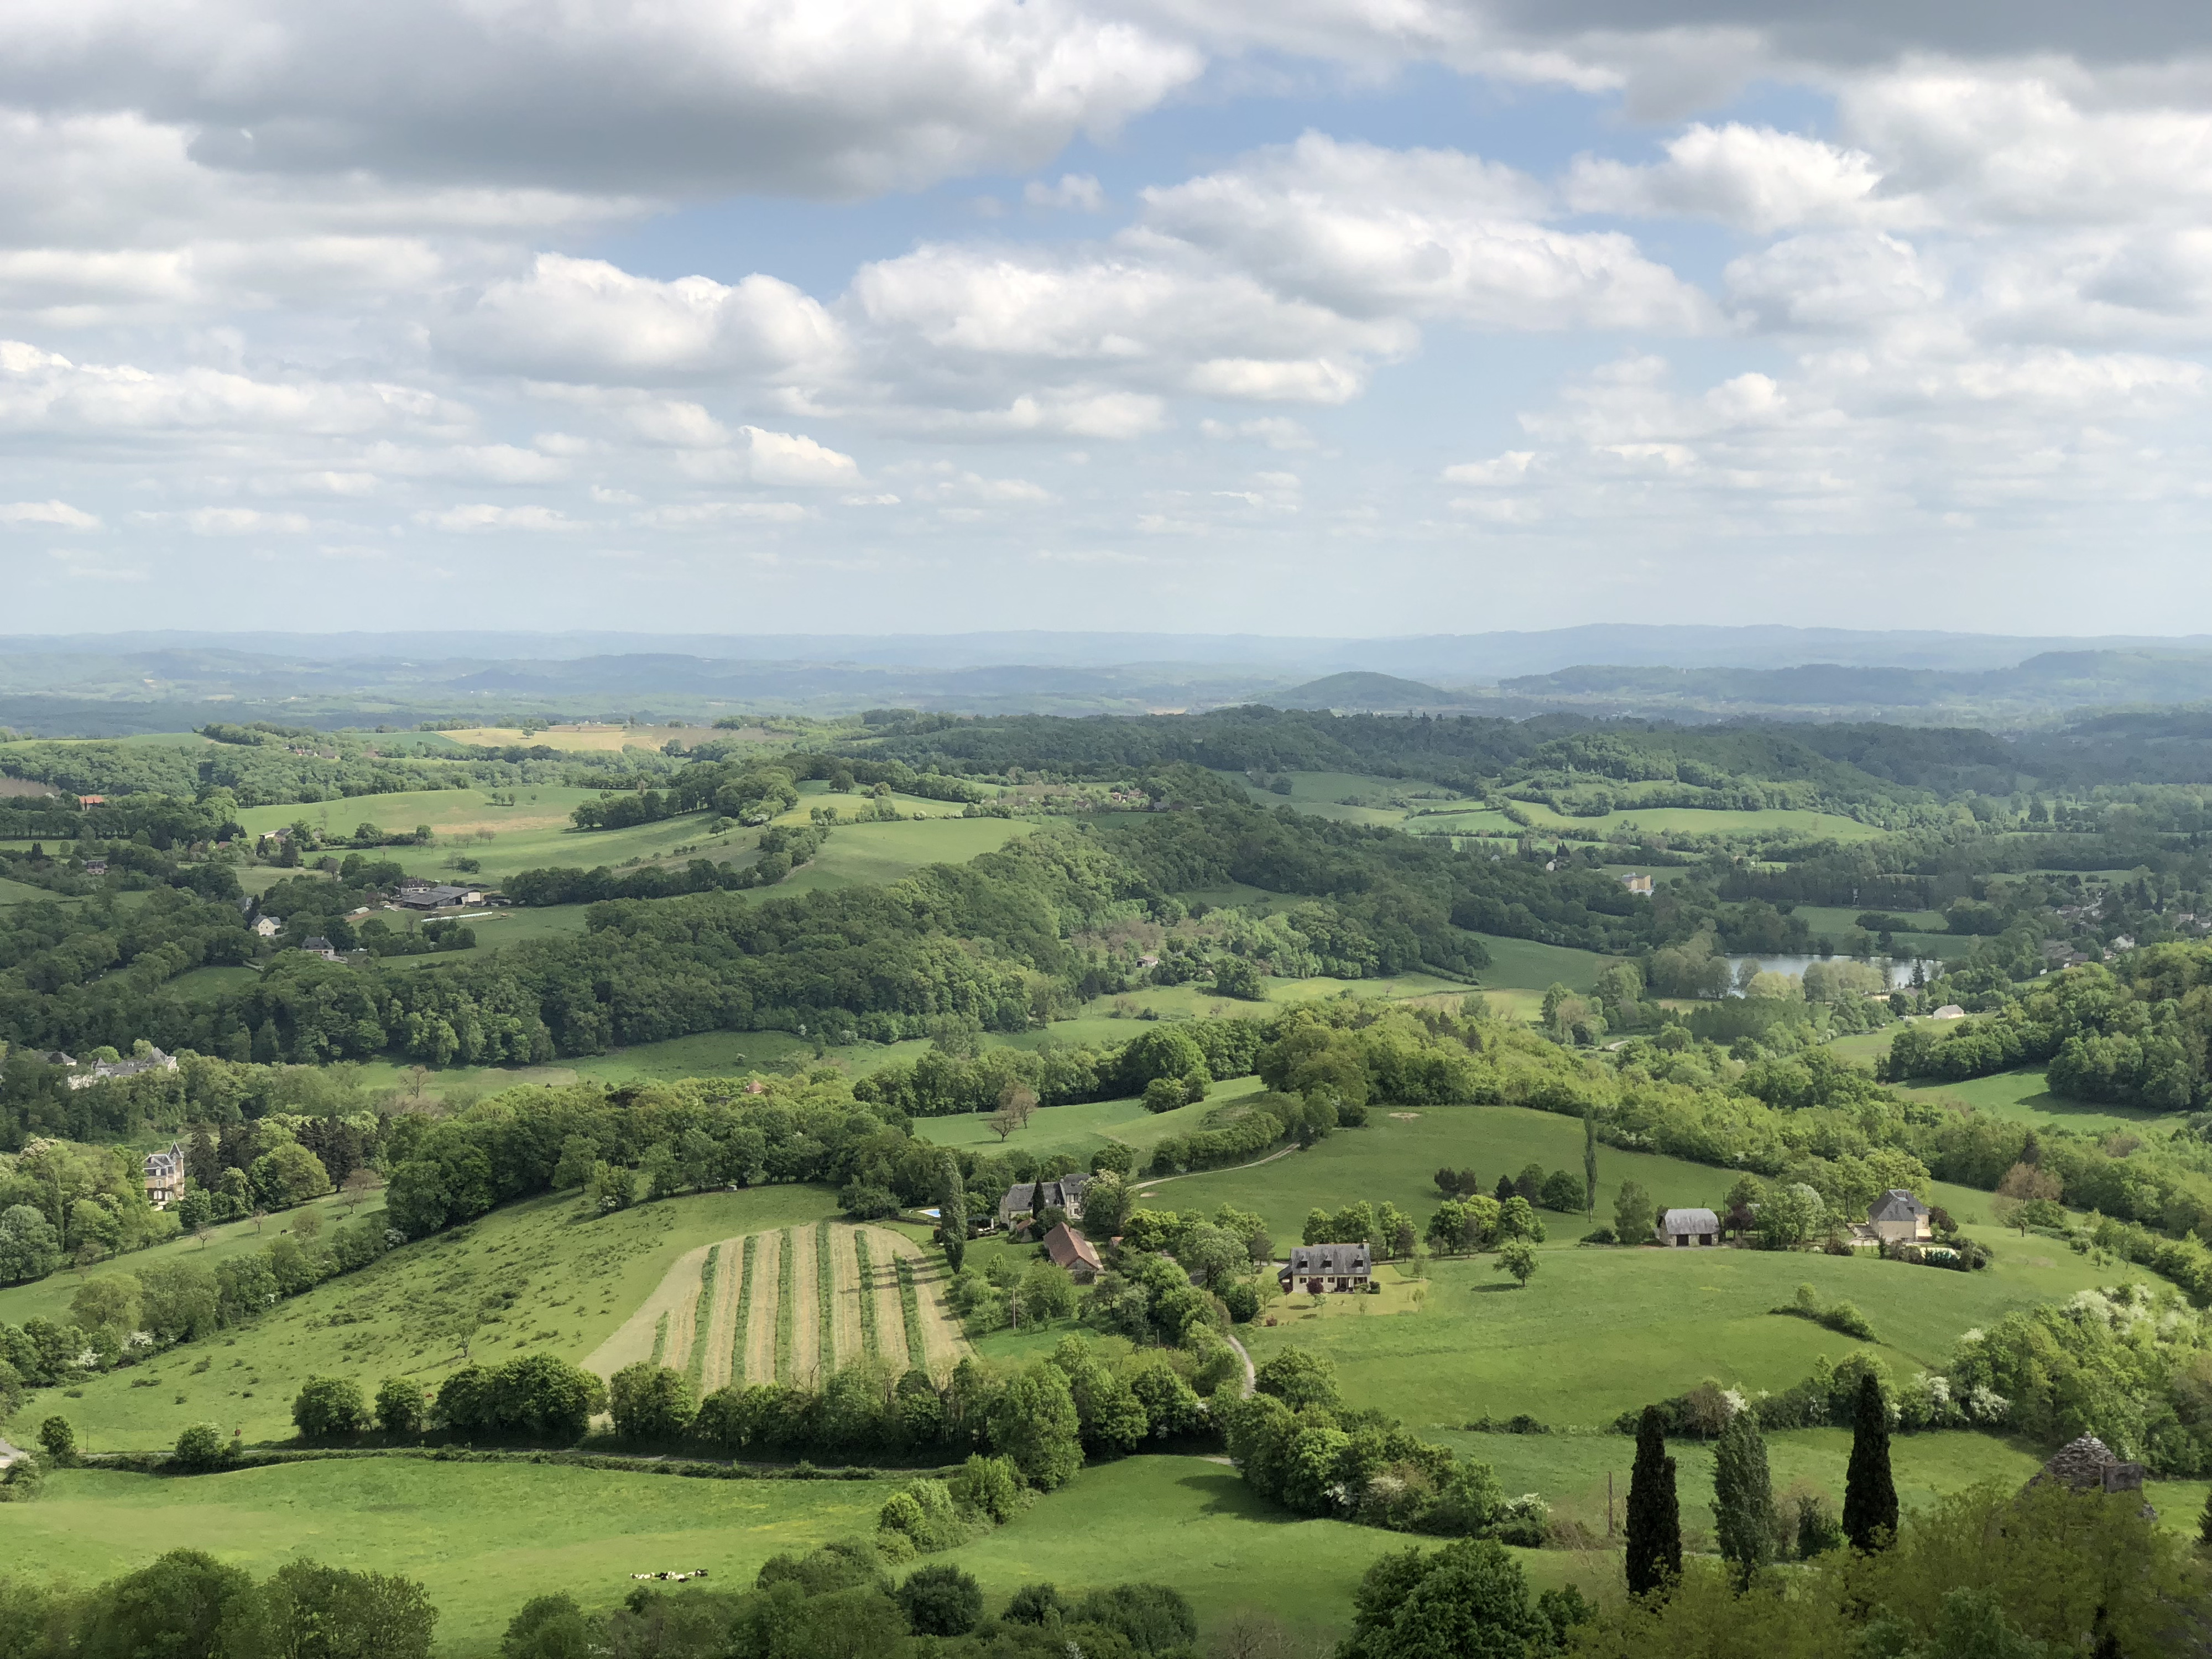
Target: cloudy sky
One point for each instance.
(1314, 316)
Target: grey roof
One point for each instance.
(1896, 1205)
(316, 942)
(1064, 1193)
(1690, 1221)
(1328, 1261)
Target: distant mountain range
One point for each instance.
(110, 684)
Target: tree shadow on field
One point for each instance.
(1224, 1492)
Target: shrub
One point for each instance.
(1241, 1297)
(649, 1403)
(399, 1407)
(941, 1601)
(200, 1449)
(59, 1440)
(329, 1408)
(1155, 1618)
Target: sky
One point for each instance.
(1366, 317)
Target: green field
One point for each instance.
(1524, 964)
(1599, 1332)
(574, 1282)
(861, 854)
(2023, 1097)
(1081, 1129)
(199, 983)
(483, 1539)
(21, 892)
(1697, 821)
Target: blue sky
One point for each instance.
(1376, 317)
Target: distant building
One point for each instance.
(2089, 1465)
(1638, 883)
(1318, 1269)
(430, 896)
(92, 801)
(1022, 1198)
(268, 926)
(100, 1070)
(1688, 1228)
(1949, 1011)
(316, 945)
(1072, 1250)
(1898, 1218)
(95, 866)
(165, 1175)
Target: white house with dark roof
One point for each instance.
(1318, 1268)
(1898, 1218)
(1688, 1228)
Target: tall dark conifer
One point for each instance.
(1869, 1491)
(1654, 1518)
(952, 1216)
(1589, 1161)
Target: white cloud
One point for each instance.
(1507, 468)
(700, 515)
(786, 458)
(42, 390)
(1755, 177)
(587, 320)
(1276, 431)
(48, 512)
(698, 97)
(482, 516)
(1371, 232)
(1834, 280)
(1078, 190)
(243, 521)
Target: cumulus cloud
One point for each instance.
(1078, 190)
(44, 391)
(1370, 232)
(587, 320)
(485, 516)
(1754, 177)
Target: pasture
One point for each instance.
(585, 739)
(483, 1538)
(1082, 1128)
(1601, 1331)
(2024, 1097)
(536, 1275)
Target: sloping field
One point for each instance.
(861, 1314)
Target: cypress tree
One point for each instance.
(2204, 1523)
(1655, 1519)
(1869, 1491)
(952, 1216)
(1743, 1497)
(1589, 1161)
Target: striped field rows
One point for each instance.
(792, 1306)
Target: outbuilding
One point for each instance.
(1688, 1228)
(1070, 1249)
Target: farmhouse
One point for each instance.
(268, 926)
(1898, 1218)
(1688, 1228)
(1638, 883)
(316, 945)
(1070, 1249)
(1317, 1268)
(95, 866)
(152, 1061)
(1949, 1011)
(1027, 1197)
(165, 1175)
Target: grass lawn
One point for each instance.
(1599, 1332)
(2022, 1097)
(206, 982)
(573, 1283)
(21, 892)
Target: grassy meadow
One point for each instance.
(531, 1275)
(1700, 821)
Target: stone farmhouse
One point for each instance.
(1070, 1249)
(99, 1071)
(1025, 1199)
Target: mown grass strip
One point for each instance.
(825, 1299)
(869, 1343)
(659, 1338)
(703, 1319)
(745, 1310)
(910, 1305)
(786, 1272)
